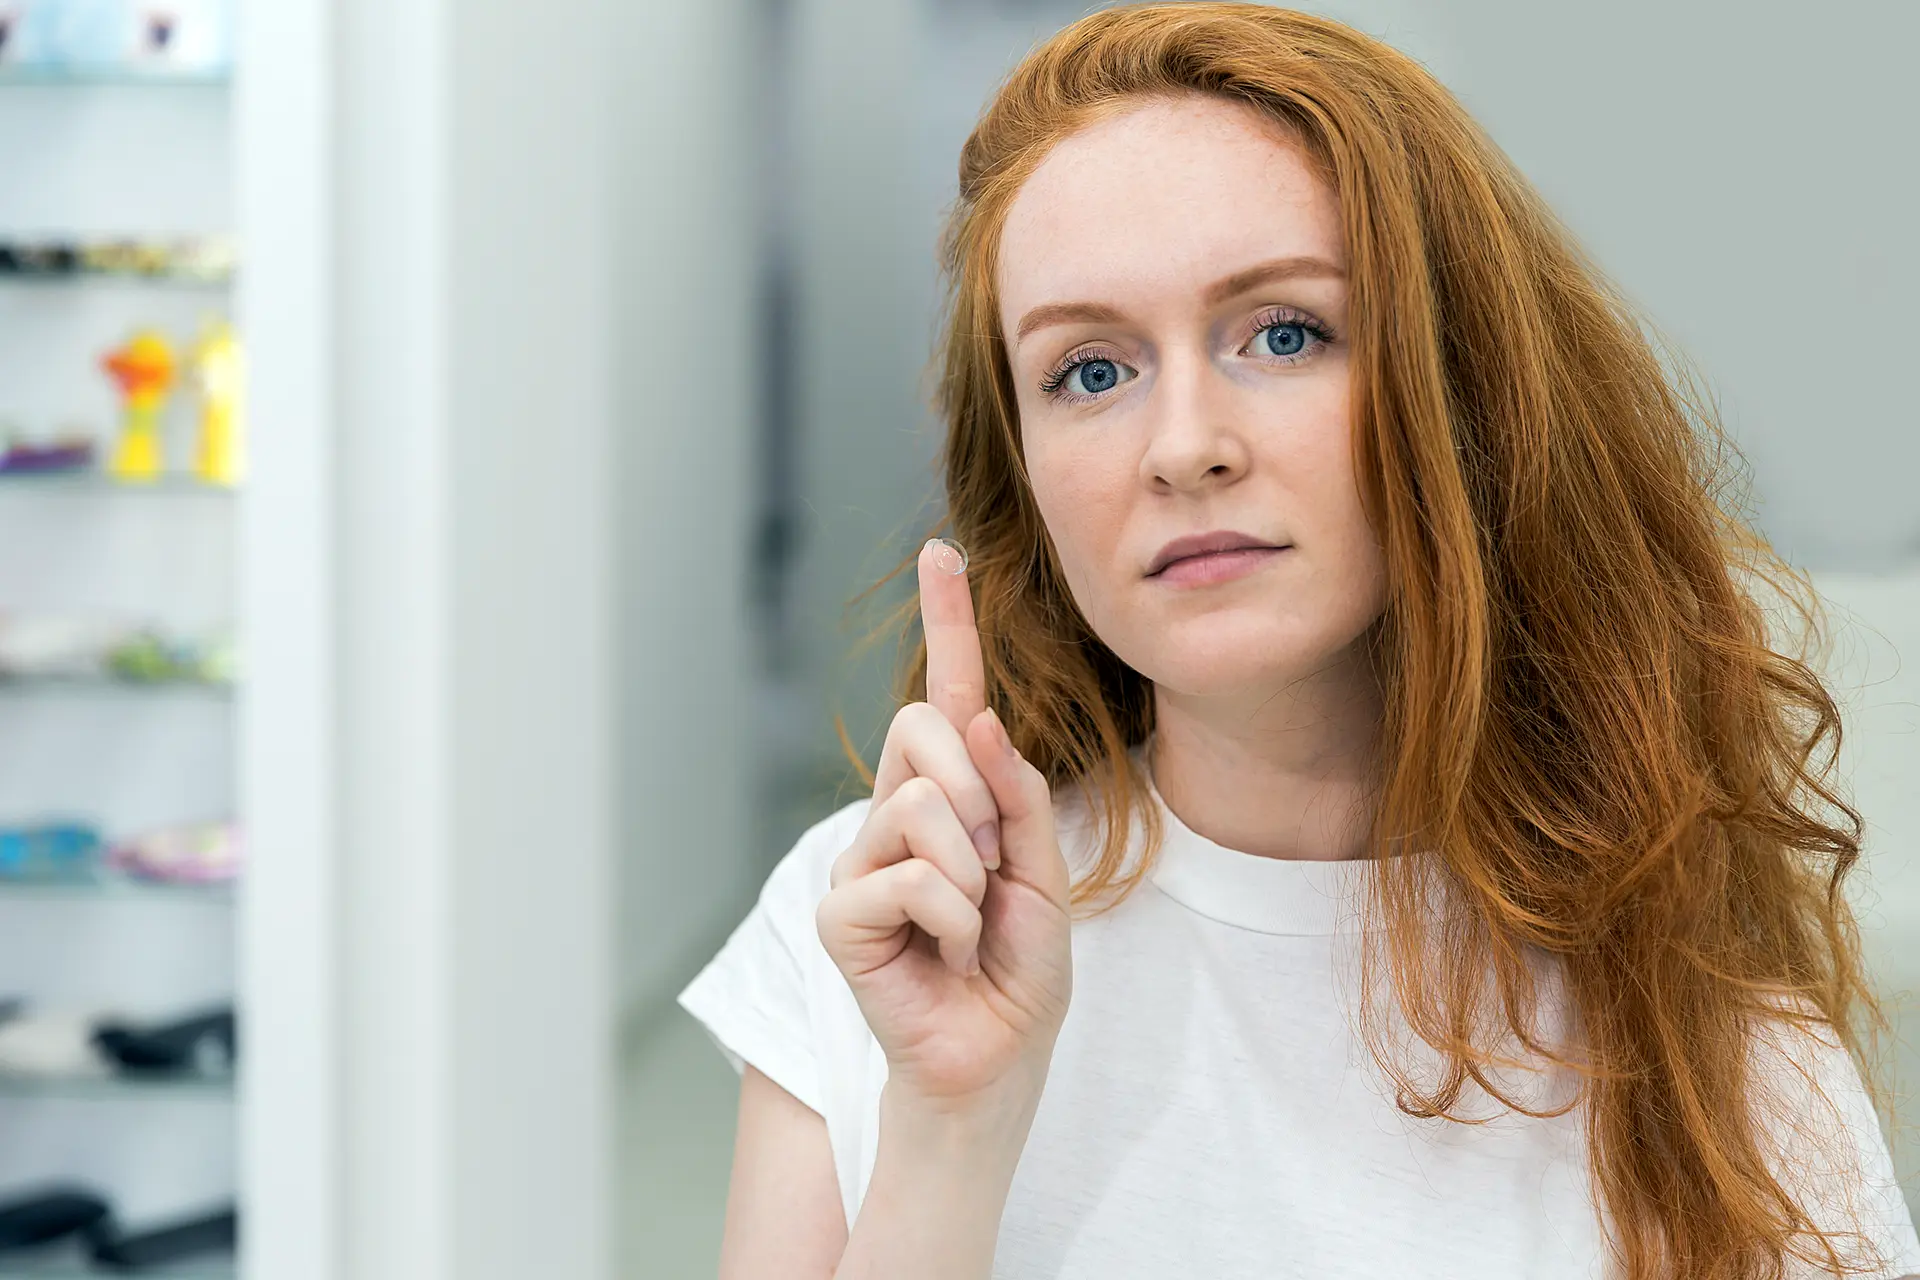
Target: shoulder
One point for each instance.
(1822, 1135)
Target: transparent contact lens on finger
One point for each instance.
(948, 555)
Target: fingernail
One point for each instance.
(948, 555)
(986, 838)
(973, 965)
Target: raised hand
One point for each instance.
(948, 913)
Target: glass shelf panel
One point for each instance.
(115, 1088)
(109, 77)
(114, 279)
(117, 887)
(222, 1269)
(114, 685)
(101, 482)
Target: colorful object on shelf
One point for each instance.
(194, 853)
(148, 657)
(143, 369)
(204, 258)
(52, 646)
(54, 851)
(218, 457)
(181, 37)
(67, 453)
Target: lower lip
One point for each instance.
(1217, 566)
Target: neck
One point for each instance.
(1282, 773)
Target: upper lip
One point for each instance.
(1201, 544)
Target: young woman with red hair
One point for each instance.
(1346, 815)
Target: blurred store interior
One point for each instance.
(431, 701)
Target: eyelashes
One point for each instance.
(1103, 365)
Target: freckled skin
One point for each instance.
(1205, 428)
(1215, 409)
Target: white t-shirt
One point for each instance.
(1210, 1109)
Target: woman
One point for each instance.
(1352, 628)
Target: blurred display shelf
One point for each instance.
(221, 1270)
(114, 886)
(108, 77)
(114, 685)
(113, 1088)
(116, 280)
(101, 482)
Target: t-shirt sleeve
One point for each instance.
(753, 997)
(1828, 1147)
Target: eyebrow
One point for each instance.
(1238, 283)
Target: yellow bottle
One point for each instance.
(144, 371)
(220, 456)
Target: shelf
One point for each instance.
(118, 887)
(114, 685)
(114, 279)
(216, 1270)
(100, 482)
(115, 1088)
(109, 77)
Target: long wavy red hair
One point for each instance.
(1588, 729)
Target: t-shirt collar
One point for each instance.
(1247, 891)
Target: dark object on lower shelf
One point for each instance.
(216, 1232)
(202, 1043)
(29, 1221)
(18, 259)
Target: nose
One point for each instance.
(1194, 443)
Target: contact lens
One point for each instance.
(948, 555)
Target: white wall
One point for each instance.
(683, 166)
(431, 564)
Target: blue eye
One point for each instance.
(1097, 375)
(1285, 339)
(1084, 377)
(1286, 335)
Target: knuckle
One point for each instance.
(916, 717)
(959, 688)
(920, 877)
(921, 794)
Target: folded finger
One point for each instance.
(916, 822)
(860, 921)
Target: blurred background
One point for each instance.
(438, 445)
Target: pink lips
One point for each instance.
(1216, 566)
(1211, 557)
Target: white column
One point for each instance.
(429, 961)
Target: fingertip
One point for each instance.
(946, 555)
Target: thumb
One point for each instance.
(1029, 845)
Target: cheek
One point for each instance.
(1082, 500)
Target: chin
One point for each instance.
(1215, 656)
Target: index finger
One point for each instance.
(956, 673)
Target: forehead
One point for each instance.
(1159, 201)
